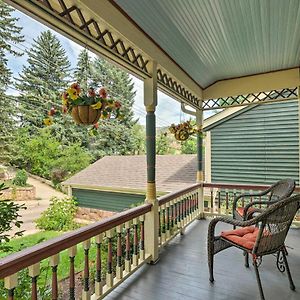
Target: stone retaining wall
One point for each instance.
(19, 194)
(92, 214)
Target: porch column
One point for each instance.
(151, 220)
(200, 175)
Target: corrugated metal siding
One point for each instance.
(260, 145)
(109, 201)
(217, 39)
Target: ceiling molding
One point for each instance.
(253, 84)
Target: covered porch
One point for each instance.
(208, 56)
(182, 273)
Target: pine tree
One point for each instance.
(116, 136)
(43, 80)
(119, 86)
(84, 70)
(10, 34)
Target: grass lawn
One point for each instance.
(44, 278)
(20, 243)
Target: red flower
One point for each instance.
(96, 125)
(64, 109)
(52, 111)
(117, 104)
(103, 93)
(65, 96)
(91, 92)
(76, 86)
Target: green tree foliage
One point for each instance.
(189, 146)
(20, 178)
(9, 217)
(43, 79)
(59, 215)
(43, 154)
(84, 70)
(10, 34)
(162, 144)
(116, 137)
(139, 133)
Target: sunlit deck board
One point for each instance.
(182, 273)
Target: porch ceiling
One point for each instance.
(214, 40)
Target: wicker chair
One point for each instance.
(264, 234)
(279, 190)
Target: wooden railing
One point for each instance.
(176, 211)
(113, 249)
(120, 239)
(218, 197)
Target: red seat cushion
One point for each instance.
(240, 211)
(244, 237)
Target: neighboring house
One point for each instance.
(115, 183)
(257, 144)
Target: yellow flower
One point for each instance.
(98, 105)
(73, 93)
(64, 102)
(48, 121)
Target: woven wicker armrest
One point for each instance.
(234, 205)
(246, 208)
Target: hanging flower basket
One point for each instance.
(183, 131)
(85, 114)
(86, 109)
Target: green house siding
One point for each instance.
(110, 201)
(257, 145)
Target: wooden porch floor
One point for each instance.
(182, 273)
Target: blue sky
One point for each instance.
(168, 110)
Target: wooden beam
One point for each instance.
(253, 84)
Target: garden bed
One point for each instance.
(16, 193)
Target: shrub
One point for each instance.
(43, 154)
(9, 215)
(59, 215)
(20, 178)
(58, 175)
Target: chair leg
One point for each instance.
(292, 286)
(258, 279)
(246, 259)
(211, 263)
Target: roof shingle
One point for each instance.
(173, 172)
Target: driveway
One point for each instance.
(44, 193)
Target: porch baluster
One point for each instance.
(243, 199)
(98, 280)
(34, 272)
(135, 257)
(142, 242)
(172, 213)
(212, 200)
(72, 253)
(168, 221)
(219, 201)
(127, 255)
(159, 226)
(10, 283)
(119, 269)
(54, 261)
(182, 215)
(163, 229)
(227, 202)
(109, 275)
(86, 274)
(175, 213)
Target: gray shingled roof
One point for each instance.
(173, 172)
